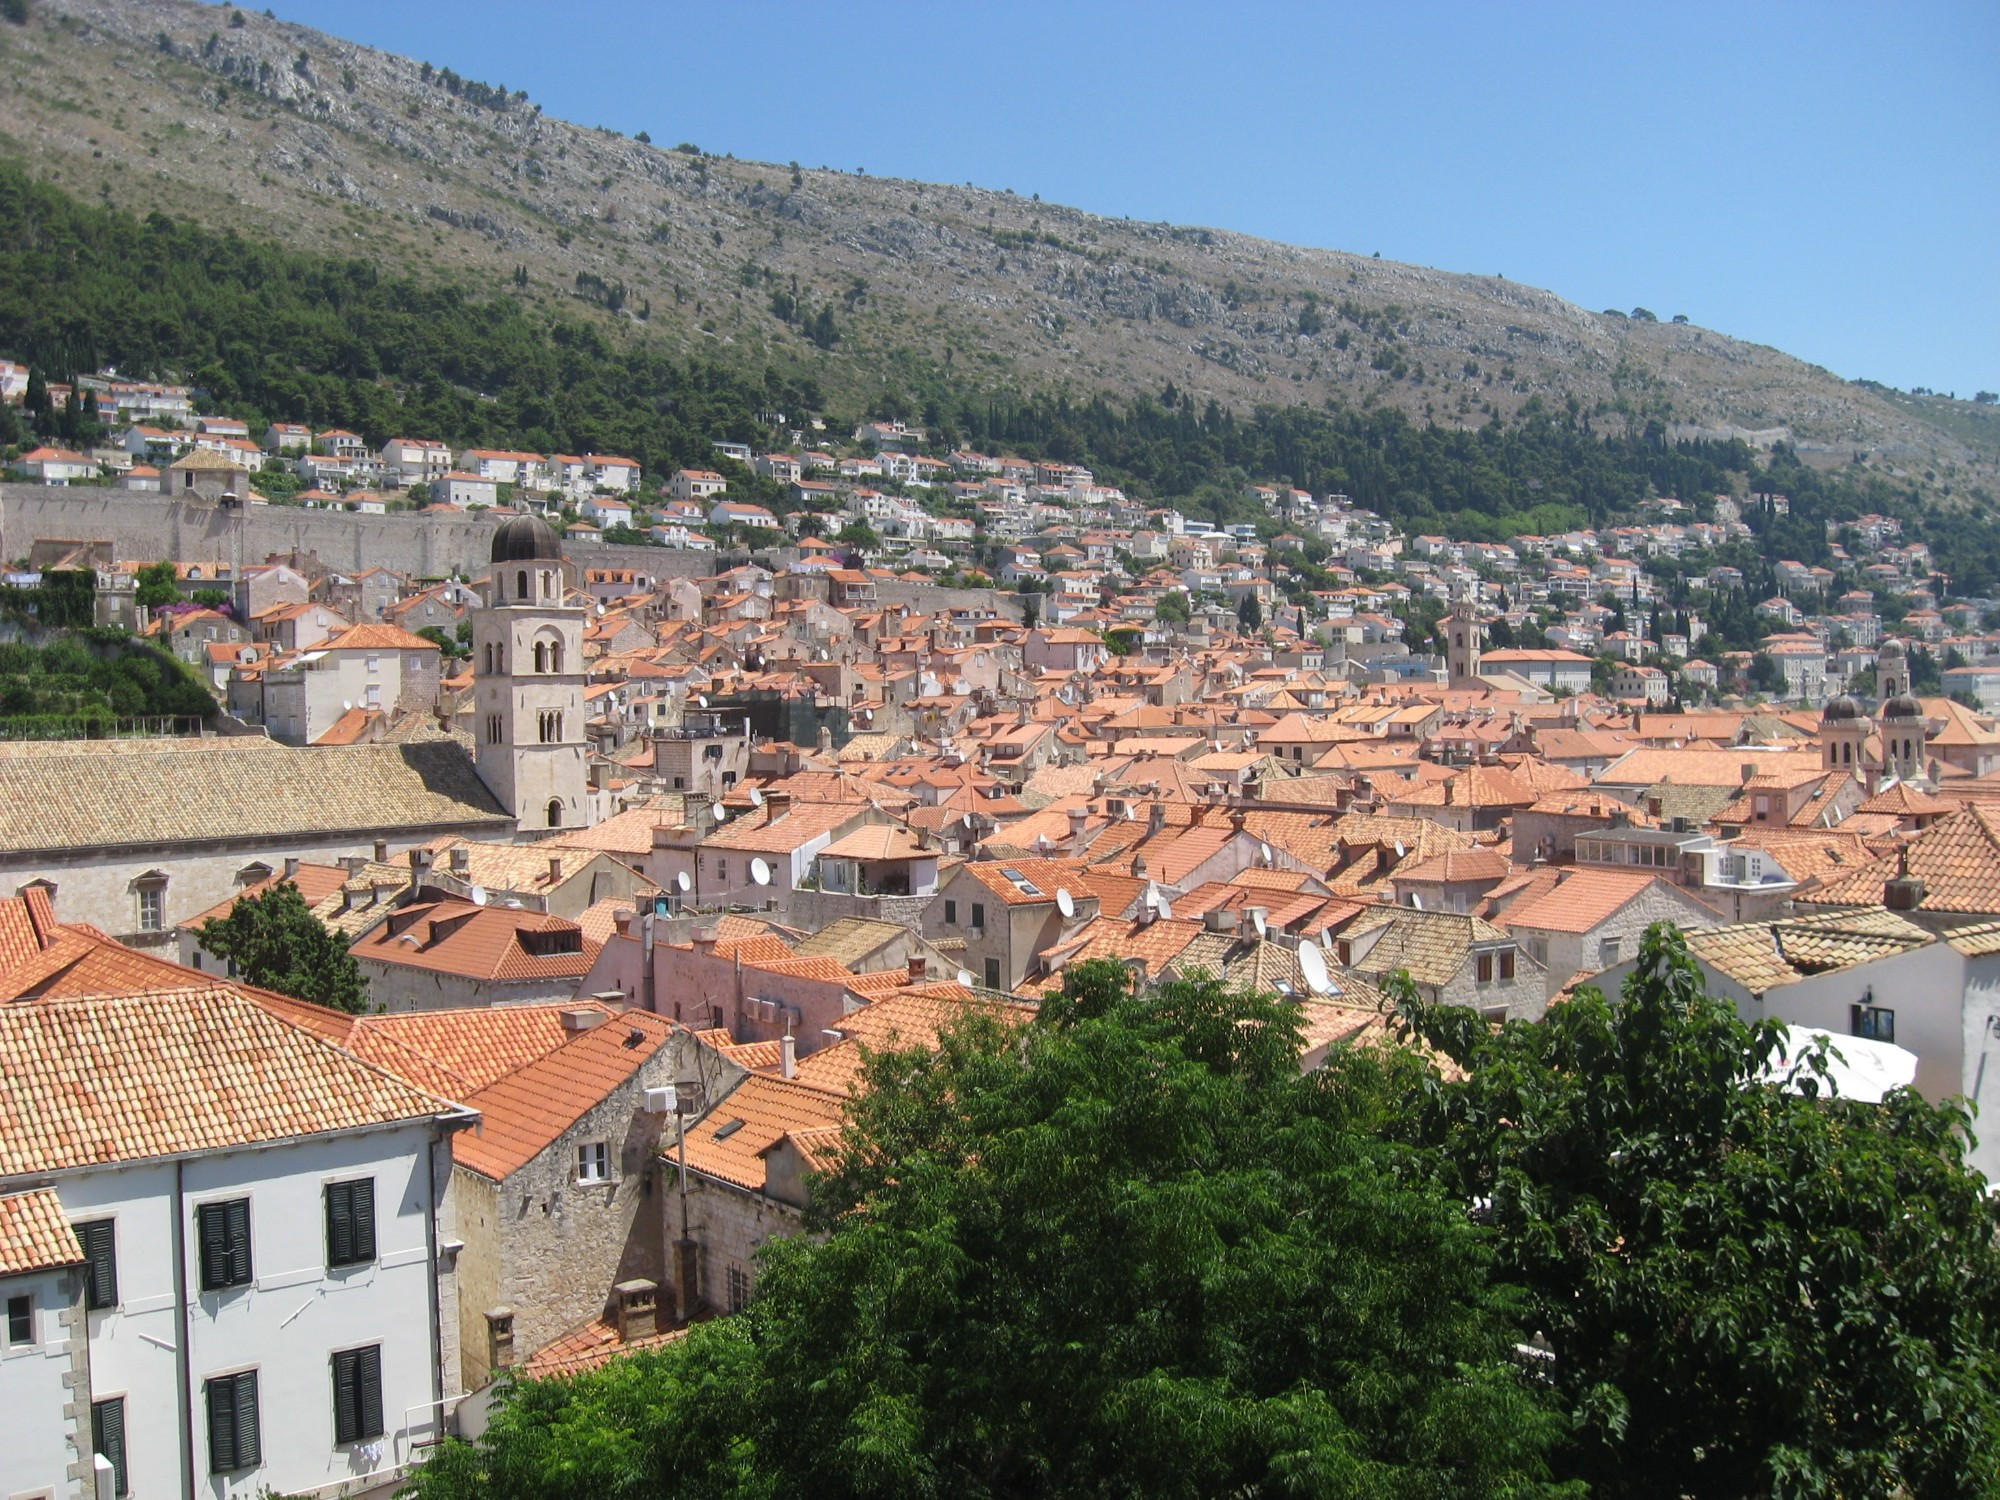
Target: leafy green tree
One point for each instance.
(158, 584)
(272, 940)
(1126, 1249)
(1746, 1290)
(1172, 607)
(1250, 612)
(211, 598)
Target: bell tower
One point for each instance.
(527, 664)
(1461, 642)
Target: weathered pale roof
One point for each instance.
(64, 795)
(1763, 955)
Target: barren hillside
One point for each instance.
(282, 131)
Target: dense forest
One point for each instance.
(271, 333)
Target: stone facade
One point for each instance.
(551, 1247)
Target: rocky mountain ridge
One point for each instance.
(876, 285)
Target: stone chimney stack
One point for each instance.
(636, 1309)
(788, 1056)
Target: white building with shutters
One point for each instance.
(219, 1253)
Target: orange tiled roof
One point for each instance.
(590, 1347)
(1580, 900)
(910, 1017)
(35, 1233)
(527, 1111)
(120, 1078)
(729, 1142)
(1957, 858)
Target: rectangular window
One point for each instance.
(979, 914)
(1484, 967)
(107, 1436)
(350, 1223)
(993, 973)
(1506, 963)
(222, 1235)
(233, 1441)
(357, 1394)
(951, 914)
(739, 1288)
(100, 1253)
(1607, 952)
(722, 871)
(20, 1320)
(1874, 1023)
(593, 1162)
(152, 908)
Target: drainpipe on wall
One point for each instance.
(182, 1363)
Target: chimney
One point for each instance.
(579, 1019)
(635, 1307)
(1247, 926)
(1217, 920)
(788, 1055)
(622, 920)
(420, 864)
(500, 1339)
(1905, 892)
(1156, 816)
(1078, 816)
(555, 869)
(918, 965)
(1747, 770)
(381, 851)
(355, 863)
(461, 859)
(291, 867)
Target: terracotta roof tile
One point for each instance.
(35, 1234)
(590, 1347)
(527, 1111)
(105, 1079)
(728, 1143)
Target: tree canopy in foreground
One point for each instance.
(273, 940)
(1128, 1250)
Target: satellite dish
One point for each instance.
(479, 895)
(1066, 904)
(701, 700)
(760, 872)
(1399, 848)
(1257, 921)
(600, 606)
(1312, 964)
(965, 977)
(719, 811)
(1264, 853)
(346, 705)
(1164, 907)
(756, 797)
(1416, 901)
(682, 883)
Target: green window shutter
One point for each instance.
(339, 1225)
(249, 1449)
(107, 1436)
(212, 1244)
(346, 1397)
(237, 1216)
(370, 1400)
(100, 1252)
(364, 1220)
(221, 1395)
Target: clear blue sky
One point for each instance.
(1822, 177)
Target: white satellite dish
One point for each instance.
(1164, 907)
(1399, 849)
(965, 977)
(756, 797)
(719, 811)
(1416, 901)
(600, 606)
(682, 883)
(701, 699)
(346, 705)
(1312, 964)
(1264, 853)
(1257, 921)
(479, 895)
(1066, 904)
(760, 872)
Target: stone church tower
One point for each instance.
(1461, 643)
(527, 662)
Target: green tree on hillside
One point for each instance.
(272, 940)
(158, 584)
(1745, 1290)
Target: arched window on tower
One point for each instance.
(540, 657)
(521, 586)
(555, 812)
(493, 729)
(555, 656)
